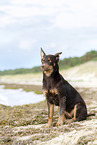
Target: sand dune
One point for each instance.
(84, 75)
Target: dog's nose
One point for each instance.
(43, 65)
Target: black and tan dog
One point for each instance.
(60, 93)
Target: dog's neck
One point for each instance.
(50, 82)
(53, 75)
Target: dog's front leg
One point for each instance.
(50, 113)
(62, 106)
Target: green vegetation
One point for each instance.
(73, 61)
(64, 64)
(21, 71)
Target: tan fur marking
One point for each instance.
(72, 113)
(68, 114)
(54, 64)
(51, 115)
(54, 91)
(45, 92)
(49, 59)
(49, 72)
(58, 109)
(61, 120)
(75, 110)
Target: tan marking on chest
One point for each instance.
(54, 91)
(45, 92)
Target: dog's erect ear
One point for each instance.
(57, 56)
(42, 53)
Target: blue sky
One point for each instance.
(27, 25)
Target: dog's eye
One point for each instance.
(49, 60)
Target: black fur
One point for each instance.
(58, 91)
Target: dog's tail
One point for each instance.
(91, 114)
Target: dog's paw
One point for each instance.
(59, 124)
(48, 125)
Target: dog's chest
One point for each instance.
(52, 96)
(50, 91)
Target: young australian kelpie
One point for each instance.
(60, 93)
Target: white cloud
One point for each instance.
(84, 14)
(56, 25)
(27, 45)
(25, 10)
(6, 20)
(52, 45)
(40, 3)
(66, 14)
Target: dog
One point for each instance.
(60, 93)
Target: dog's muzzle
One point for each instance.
(45, 67)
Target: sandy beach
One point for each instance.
(26, 124)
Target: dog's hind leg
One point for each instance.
(79, 112)
(50, 114)
(74, 112)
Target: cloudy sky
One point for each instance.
(69, 26)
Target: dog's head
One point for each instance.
(49, 63)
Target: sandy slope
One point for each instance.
(86, 72)
(81, 76)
